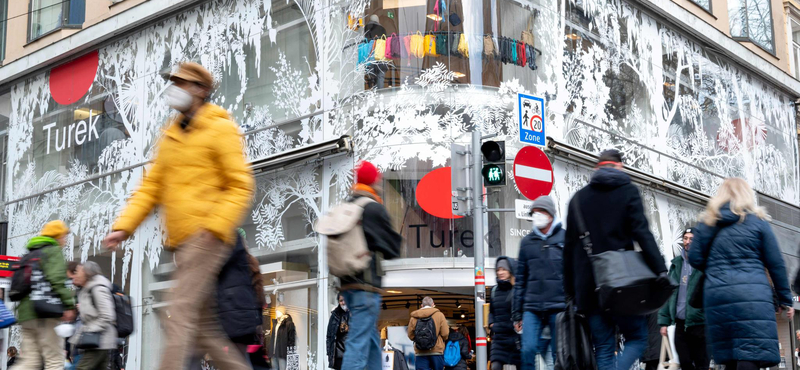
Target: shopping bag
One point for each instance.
(6, 317)
(573, 341)
(663, 362)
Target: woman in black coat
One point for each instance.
(505, 340)
(456, 335)
(338, 326)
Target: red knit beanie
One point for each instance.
(367, 173)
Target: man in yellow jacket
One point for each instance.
(201, 179)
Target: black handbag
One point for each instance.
(89, 340)
(625, 284)
(574, 349)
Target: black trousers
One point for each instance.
(691, 346)
(741, 365)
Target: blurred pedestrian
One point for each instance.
(11, 353)
(539, 290)
(338, 327)
(732, 245)
(460, 359)
(652, 353)
(613, 213)
(40, 344)
(97, 314)
(429, 331)
(505, 340)
(201, 178)
(690, 329)
(362, 291)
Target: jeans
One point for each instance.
(604, 338)
(363, 345)
(548, 355)
(435, 362)
(532, 325)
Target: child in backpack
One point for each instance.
(456, 351)
(429, 330)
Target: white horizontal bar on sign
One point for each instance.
(533, 173)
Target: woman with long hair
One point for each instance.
(733, 245)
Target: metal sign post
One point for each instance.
(477, 224)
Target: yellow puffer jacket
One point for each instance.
(199, 176)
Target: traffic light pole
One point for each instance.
(477, 220)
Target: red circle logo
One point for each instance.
(433, 193)
(69, 82)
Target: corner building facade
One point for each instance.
(298, 76)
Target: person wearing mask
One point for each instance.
(732, 246)
(539, 291)
(457, 335)
(362, 291)
(97, 314)
(338, 326)
(690, 329)
(429, 331)
(614, 216)
(505, 340)
(40, 344)
(199, 166)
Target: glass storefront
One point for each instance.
(293, 74)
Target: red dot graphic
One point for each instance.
(433, 193)
(69, 82)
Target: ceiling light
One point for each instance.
(574, 36)
(394, 291)
(435, 17)
(463, 315)
(458, 305)
(384, 305)
(459, 74)
(85, 113)
(408, 304)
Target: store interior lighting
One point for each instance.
(458, 304)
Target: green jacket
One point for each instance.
(694, 316)
(55, 271)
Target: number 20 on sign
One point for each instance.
(530, 110)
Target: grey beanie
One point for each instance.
(504, 264)
(545, 203)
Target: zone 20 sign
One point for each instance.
(531, 119)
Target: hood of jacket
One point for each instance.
(511, 262)
(554, 227)
(40, 242)
(455, 336)
(424, 312)
(97, 280)
(609, 178)
(727, 217)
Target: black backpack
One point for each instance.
(23, 270)
(124, 312)
(425, 334)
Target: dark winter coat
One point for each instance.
(540, 268)
(504, 338)
(455, 336)
(286, 337)
(338, 316)
(740, 316)
(653, 350)
(382, 240)
(614, 215)
(238, 308)
(668, 313)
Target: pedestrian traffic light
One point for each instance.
(494, 163)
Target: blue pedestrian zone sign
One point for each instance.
(531, 119)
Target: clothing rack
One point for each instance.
(348, 46)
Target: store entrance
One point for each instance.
(456, 303)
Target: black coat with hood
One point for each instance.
(504, 337)
(338, 317)
(463, 343)
(540, 287)
(382, 240)
(238, 307)
(614, 216)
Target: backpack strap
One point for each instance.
(583, 233)
(363, 201)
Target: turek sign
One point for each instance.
(76, 133)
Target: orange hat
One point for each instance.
(193, 72)
(55, 229)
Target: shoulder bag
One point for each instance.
(625, 284)
(574, 349)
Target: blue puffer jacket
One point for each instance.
(740, 315)
(540, 272)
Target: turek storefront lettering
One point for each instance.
(77, 133)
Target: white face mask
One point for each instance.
(178, 99)
(344, 307)
(540, 220)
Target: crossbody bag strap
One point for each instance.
(583, 232)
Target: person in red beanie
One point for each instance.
(362, 291)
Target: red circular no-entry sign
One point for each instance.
(533, 172)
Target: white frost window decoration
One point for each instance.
(751, 20)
